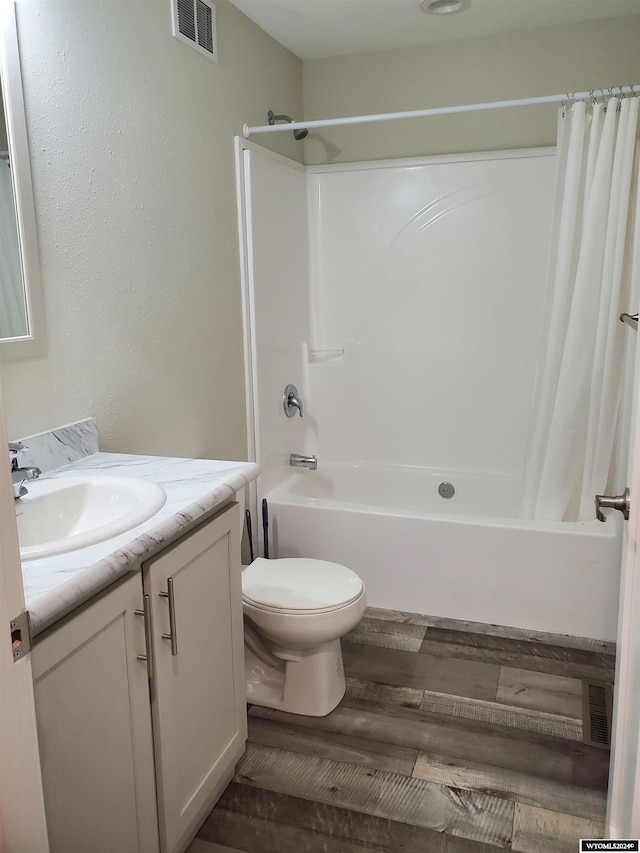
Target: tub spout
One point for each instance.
(296, 460)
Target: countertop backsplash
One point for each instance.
(57, 447)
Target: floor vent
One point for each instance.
(597, 705)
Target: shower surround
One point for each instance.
(406, 301)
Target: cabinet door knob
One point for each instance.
(173, 636)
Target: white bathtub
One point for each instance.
(467, 557)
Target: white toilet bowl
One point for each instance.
(295, 611)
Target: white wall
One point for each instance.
(510, 65)
(431, 275)
(131, 136)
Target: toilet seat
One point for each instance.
(298, 585)
(289, 612)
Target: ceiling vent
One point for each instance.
(194, 23)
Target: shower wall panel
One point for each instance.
(275, 195)
(428, 283)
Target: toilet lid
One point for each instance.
(299, 584)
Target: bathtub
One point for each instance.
(465, 557)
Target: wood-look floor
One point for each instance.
(200, 846)
(453, 737)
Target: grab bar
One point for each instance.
(630, 320)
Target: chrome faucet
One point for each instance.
(292, 401)
(20, 475)
(296, 460)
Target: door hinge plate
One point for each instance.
(20, 631)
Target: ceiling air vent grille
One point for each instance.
(194, 23)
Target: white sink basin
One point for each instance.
(65, 514)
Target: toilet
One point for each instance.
(296, 610)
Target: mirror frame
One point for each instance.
(33, 343)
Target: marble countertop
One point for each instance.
(54, 586)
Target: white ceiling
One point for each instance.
(316, 29)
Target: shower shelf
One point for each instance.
(630, 320)
(325, 356)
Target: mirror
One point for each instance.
(13, 306)
(21, 309)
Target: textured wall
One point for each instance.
(133, 162)
(511, 65)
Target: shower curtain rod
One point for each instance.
(439, 111)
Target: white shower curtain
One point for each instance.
(13, 316)
(579, 392)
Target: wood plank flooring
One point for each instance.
(453, 737)
(199, 846)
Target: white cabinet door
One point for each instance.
(198, 690)
(94, 727)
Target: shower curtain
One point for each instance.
(579, 392)
(13, 317)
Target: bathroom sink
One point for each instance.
(65, 514)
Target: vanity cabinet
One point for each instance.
(94, 728)
(198, 699)
(140, 700)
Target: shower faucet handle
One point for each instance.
(291, 402)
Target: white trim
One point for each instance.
(269, 154)
(432, 160)
(34, 342)
(248, 325)
(22, 815)
(623, 806)
(247, 298)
